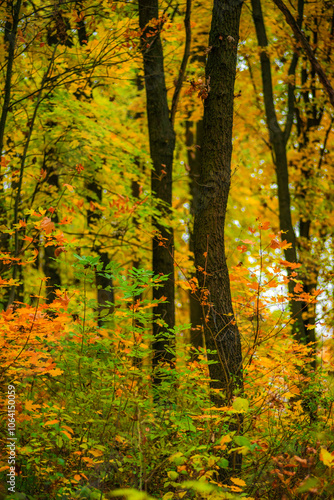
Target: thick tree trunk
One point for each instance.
(162, 143)
(221, 332)
(222, 336)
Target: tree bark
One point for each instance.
(193, 144)
(278, 139)
(104, 285)
(162, 143)
(221, 332)
(51, 267)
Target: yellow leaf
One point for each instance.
(55, 372)
(69, 187)
(88, 461)
(96, 453)
(30, 406)
(225, 439)
(238, 481)
(326, 457)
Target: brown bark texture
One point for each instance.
(162, 143)
(221, 332)
(278, 140)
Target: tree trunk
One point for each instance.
(162, 143)
(278, 139)
(222, 336)
(194, 161)
(221, 332)
(51, 267)
(104, 285)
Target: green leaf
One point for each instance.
(222, 463)
(172, 474)
(241, 404)
(131, 494)
(242, 441)
(310, 483)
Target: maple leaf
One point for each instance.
(298, 288)
(47, 225)
(29, 405)
(275, 244)
(284, 245)
(55, 372)
(79, 168)
(264, 225)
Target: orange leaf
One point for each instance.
(51, 422)
(242, 248)
(298, 288)
(264, 225)
(47, 225)
(59, 250)
(27, 238)
(254, 286)
(69, 187)
(275, 244)
(292, 265)
(55, 372)
(284, 244)
(67, 434)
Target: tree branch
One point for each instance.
(309, 52)
(184, 63)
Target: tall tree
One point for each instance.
(278, 137)
(162, 144)
(193, 143)
(221, 332)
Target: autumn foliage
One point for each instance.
(98, 415)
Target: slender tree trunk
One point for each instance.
(162, 143)
(193, 143)
(51, 267)
(10, 35)
(222, 336)
(278, 139)
(104, 285)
